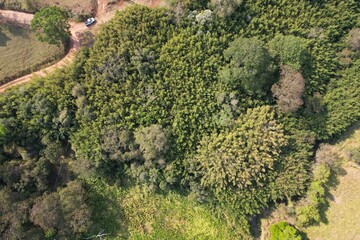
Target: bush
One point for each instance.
(354, 155)
(284, 231)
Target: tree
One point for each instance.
(343, 100)
(47, 213)
(77, 213)
(153, 141)
(118, 144)
(291, 50)
(249, 65)
(238, 165)
(225, 8)
(241, 157)
(51, 25)
(288, 90)
(353, 39)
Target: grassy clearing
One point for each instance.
(21, 53)
(136, 214)
(343, 214)
(341, 218)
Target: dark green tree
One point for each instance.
(291, 50)
(51, 25)
(249, 66)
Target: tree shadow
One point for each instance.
(19, 31)
(3, 39)
(349, 132)
(331, 185)
(107, 215)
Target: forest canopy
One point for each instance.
(223, 102)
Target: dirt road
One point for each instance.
(25, 18)
(102, 16)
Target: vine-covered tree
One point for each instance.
(51, 25)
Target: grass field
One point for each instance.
(21, 53)
(343, 214)
(341, 218)
(136, 214)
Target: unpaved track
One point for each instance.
(25, 18)
(102, 16)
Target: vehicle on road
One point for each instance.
(89, 21)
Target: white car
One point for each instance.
(89, 21)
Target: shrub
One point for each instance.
(284, 231)
(308, 212)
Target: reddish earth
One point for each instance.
(102, 15)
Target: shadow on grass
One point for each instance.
(332, 184)
(108, 217)
(347, 134)
(3, 39)
(304, 235)
(18, 31)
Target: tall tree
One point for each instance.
(237, 162)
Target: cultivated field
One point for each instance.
(22, 53)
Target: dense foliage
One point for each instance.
(221, 101)
(51, 25)
(284, 230)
